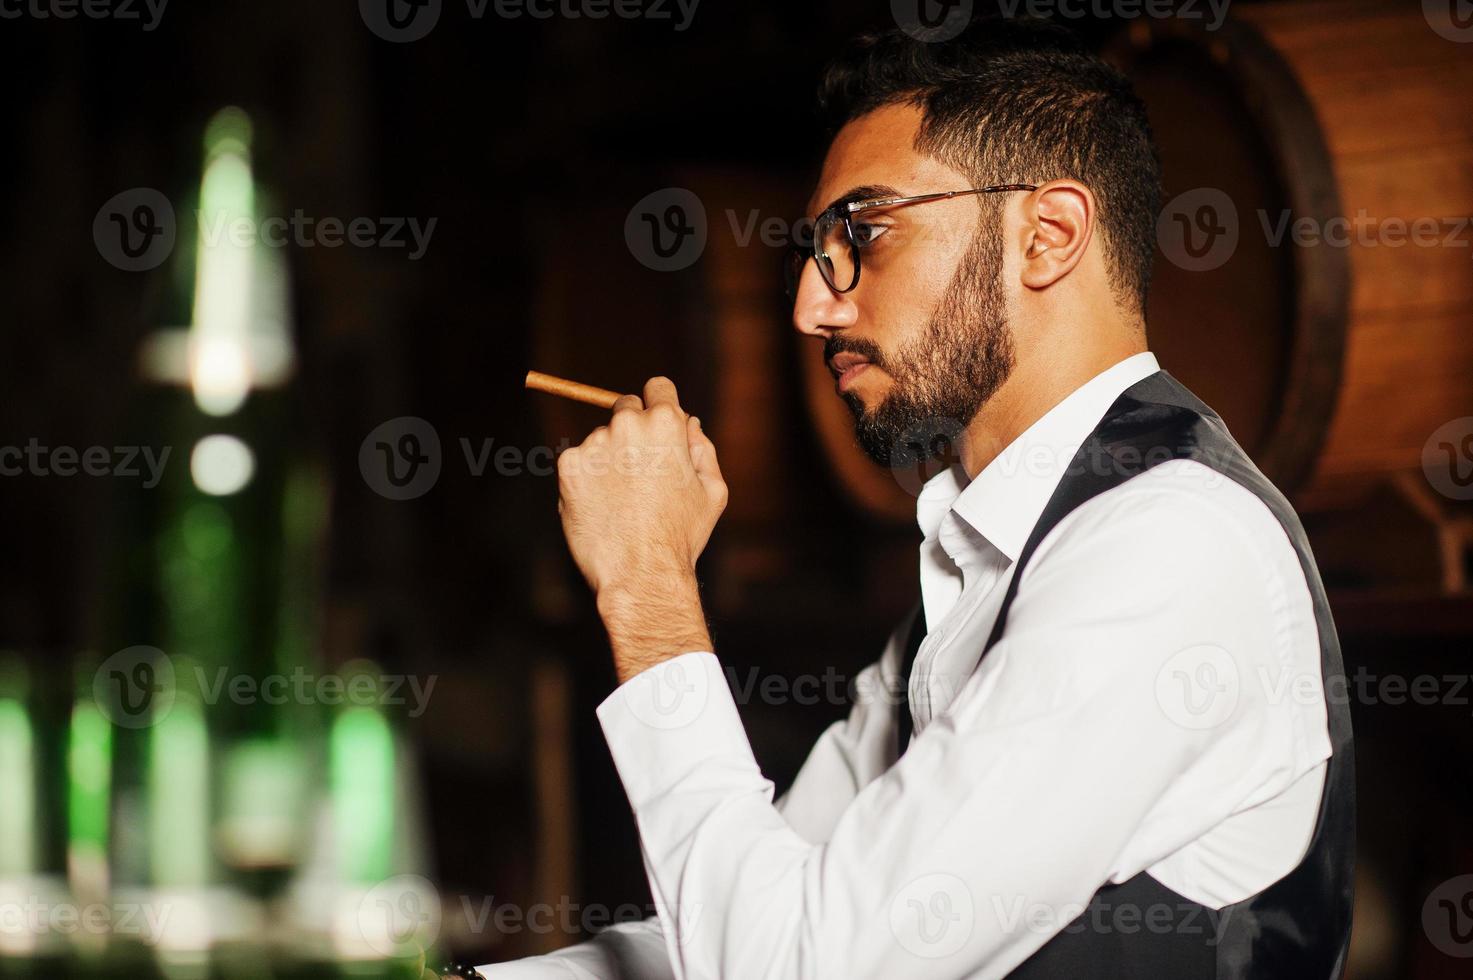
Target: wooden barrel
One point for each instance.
(1362, 111)
(1317, 139)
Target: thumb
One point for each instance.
(703, 458)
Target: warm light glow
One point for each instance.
(262, 781)
(179, 801)
(239, 335)
(220, 368)
(17, 790)
(228, 131)
(221, 374)
(221, 465)
(89, 772)
(361, 747)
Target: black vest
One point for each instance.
(1299, 927)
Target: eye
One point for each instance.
(866, 233)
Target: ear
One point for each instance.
(1059, 222)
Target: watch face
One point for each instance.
(462, 970)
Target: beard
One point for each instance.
(943, 377)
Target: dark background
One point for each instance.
(528, 142)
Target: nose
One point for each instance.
(818, 311)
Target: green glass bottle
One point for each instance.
(37, 916)
(363, 906)
(212, 751)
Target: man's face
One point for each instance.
(922, 341)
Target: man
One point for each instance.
(1113, 756)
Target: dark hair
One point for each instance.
(1018, 101)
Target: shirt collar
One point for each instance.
(1006, 499)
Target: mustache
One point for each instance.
(838, 344)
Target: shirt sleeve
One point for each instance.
(1080, 736)
(850, 753)
(627, 951)
(847, 756)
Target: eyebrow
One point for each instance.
(863, 192)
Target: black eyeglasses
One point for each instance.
(836, 247)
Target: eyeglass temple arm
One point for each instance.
(854, 206)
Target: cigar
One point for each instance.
(578, 392)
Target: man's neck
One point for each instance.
(1037, 384)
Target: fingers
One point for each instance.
(661, 391)
(703, 458)
(628, 403)
(695, 436)
(657, 416)
(662, 410)
(702, 451)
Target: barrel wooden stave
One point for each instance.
(1385, 93)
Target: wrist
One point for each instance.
(651, 620)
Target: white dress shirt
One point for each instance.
(1155, 705)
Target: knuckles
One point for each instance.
(664, 414)
(567, 464)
